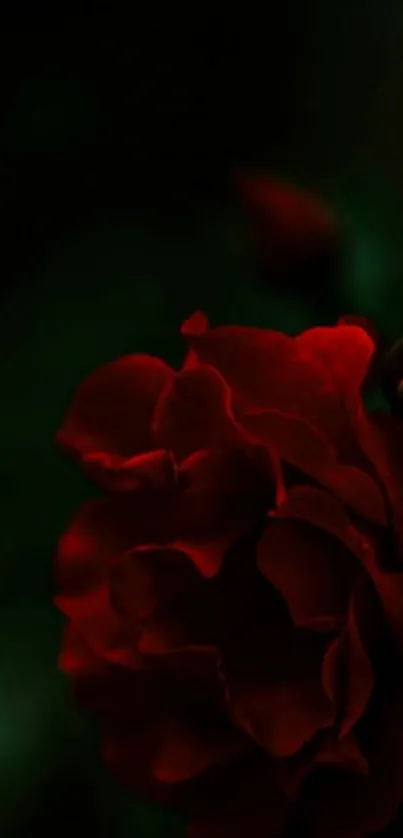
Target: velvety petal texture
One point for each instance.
(113, 408)
(234, 598)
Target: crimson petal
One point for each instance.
(344, 350)
(344, 753)
(100, 532)
(153, 470)
(381, 437)
(113, 408)
(313, 571)
(195, 412)
(226, 492)
(358, 674)
(283, 717)
(313, 376)
(261, 366)
(308, 449)
(351, 805)
(145, 578)
(184, 753)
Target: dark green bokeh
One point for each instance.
(108, 257)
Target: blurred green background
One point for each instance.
(117, 143)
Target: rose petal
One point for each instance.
(320, 509)
(262, 367)
(226, 492)
(190, 361)
(100, 532)
(195, 325)
(144, 579)
(363, 323)
(76, 658)
(156, 727)
(207, 556)
(345, 805)
(331, 669)
(313, 571)
(195, 412)
(113, 408)
(313, 376)
(153, 470)
(308, 449)
(345, 351)
(275, 693)
(283, 717)
(159, 592)
(390, 590)
(381, 437)
(344, 753)
(184, 753)
(357, 675)
(175, 731)
(358, 490)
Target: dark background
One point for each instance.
(118, 139)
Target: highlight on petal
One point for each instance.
(347, 673)
(331, 669)
(153, 470)
(358, 675)
(363, 323)
(345, 351)
(113, 408)
(207, 556)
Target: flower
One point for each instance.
(234, 600)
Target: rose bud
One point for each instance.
(295, 237)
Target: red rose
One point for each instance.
(235, 599)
